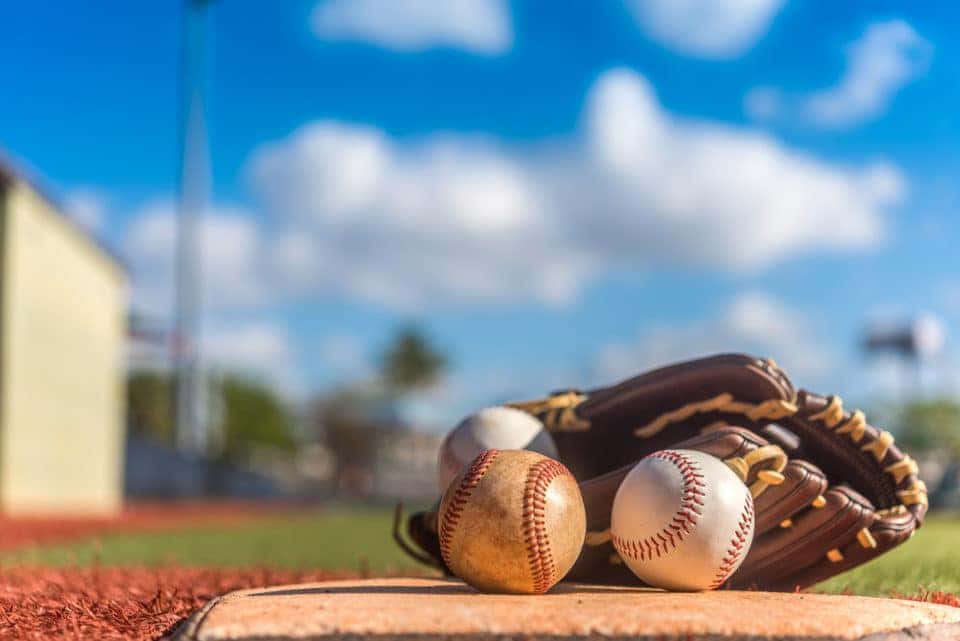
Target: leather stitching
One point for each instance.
(738, 545)
(684, 520)
(458, 502)
(539, 555)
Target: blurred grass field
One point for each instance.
(348, 539)
(359, 540)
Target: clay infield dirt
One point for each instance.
(431, 609)
(136, 604)
(139, 603)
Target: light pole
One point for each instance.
(915, 343)
(193, 197)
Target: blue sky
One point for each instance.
(561, 197)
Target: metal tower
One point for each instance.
(193, 198)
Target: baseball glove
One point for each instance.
(830, 491)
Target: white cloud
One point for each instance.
(232, 251)
(479, 26)
(887, 57)
(445, 219)
(255, 348)
(705, 28)
(87, 207)
(753, 322)
(249, 346)
(453, 218)
(672, 191)
(258, 348)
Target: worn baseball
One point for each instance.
(513, 521)
(501, 428)
(682, 520)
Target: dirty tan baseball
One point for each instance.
(512, 521)
(682, 520)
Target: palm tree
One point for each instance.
(411, 361)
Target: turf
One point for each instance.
(356, 540)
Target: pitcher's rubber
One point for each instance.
(438, 610)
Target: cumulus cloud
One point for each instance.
(753, 322)
(452, 218)
(674, 191)
(258, 348)
(250, 346)
(444, 219)
(705, 28)
(479, 26)
(87, 207)
(232, 250)
(887, 57)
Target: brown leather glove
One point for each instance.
(831, 492)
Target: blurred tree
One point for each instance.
(411, 361)
(252, 414)
(350, 421)
(253, 417)
(149, 405)
(929, 425)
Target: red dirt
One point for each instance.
(118, 603)
(17, 532)
(943, 598)
(141, 604)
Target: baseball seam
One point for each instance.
(737, 547)
(683, 521)
(539, 554)
(451, 516)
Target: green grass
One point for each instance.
(357, 539)
(336, 539)
(928, 561)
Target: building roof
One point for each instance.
(13, 170)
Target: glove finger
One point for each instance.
(849, 449)
(813, 534)
(780, 488)
(889, 531)
(803, 484)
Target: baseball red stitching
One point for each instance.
(457, 503)
(542, 567)
(682, 523)
(738, 545)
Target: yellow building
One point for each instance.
(62, 337)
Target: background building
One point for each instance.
(62, 333)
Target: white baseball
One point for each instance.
(493, 428)
(682, 520)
